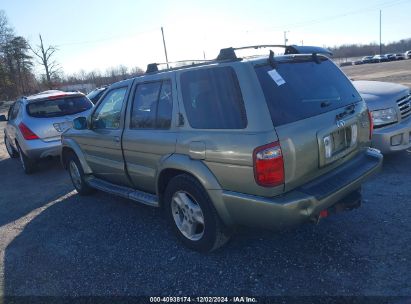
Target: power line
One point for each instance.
(382, 5)
(348, 13)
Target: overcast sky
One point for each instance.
(95, 35)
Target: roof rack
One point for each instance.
(229, 53)
(153, 67)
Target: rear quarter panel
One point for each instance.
(228, 154)
(301, 144)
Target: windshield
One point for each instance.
(299, 89)
(58, 107)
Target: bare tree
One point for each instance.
(45, 56)
(136, 71)
(6, 31)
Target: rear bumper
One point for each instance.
(381, 138)
(37, 148)
(301, 204)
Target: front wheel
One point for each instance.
(192, 215)
(77, 176)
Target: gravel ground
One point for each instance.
(54, 242)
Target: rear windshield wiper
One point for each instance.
(325, 104)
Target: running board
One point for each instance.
(126, 192)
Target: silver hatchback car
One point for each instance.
(35, 124)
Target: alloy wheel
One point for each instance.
(187, 215)
(75, 175)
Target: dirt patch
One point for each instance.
(396, 71)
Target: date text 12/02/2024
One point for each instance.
(238, 299)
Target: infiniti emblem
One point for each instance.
(340, 123)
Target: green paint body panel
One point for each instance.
(222, 159)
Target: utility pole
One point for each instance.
(285, 37)
(165, 49)
(380, 35)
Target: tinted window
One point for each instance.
(108, 113)
(58, 107)
(212, 99)
(152, 106)
(309, 89)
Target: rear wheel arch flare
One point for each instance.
(66, 152)
(166, 176)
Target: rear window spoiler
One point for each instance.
(229, 53)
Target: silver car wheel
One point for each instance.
(9, 148)
(75, 175)
(187, 215)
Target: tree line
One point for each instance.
(355, 50)
(16, 76)
(18, 58)
(98, 78)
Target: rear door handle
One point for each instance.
(116, 139)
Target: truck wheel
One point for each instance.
(77, 176)
(12, 152)
(192, 215)
(28, 164)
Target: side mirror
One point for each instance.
(80, 123)
(3, 118)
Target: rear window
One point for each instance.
(212, 99)
(301, 89)
(58, 107)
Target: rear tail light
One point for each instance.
(324, 213)
(371, 123)
(27, 133)
(269, 165)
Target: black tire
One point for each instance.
(79, 182)
(213, 232)
(28, 164)
(10, 149)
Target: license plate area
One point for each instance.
(337, 144)
(341, 140)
